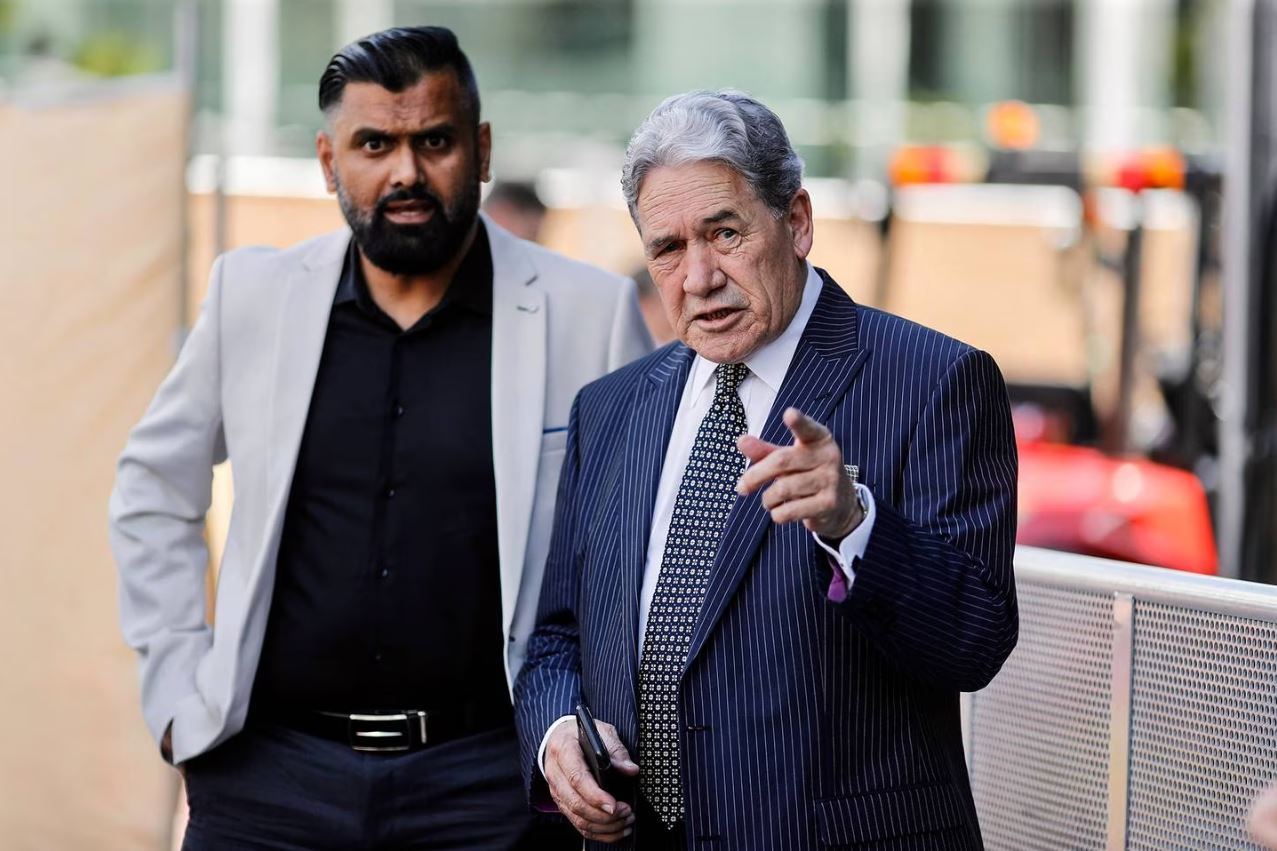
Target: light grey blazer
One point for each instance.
(241, 390)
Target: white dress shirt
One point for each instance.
(767, 368)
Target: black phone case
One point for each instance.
(613, 782)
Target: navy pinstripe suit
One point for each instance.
(806, 723)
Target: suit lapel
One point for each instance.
(647, 439)
(303, 325)
(518, 402)
(825, 363)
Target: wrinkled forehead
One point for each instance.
(691, 195)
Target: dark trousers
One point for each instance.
(274, 788)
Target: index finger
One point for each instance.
(804, 429)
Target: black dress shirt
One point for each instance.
(387, 588)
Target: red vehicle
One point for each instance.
(1081, 488)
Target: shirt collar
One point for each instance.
(471, 286)
(771, 362)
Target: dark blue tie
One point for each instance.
(704, 500)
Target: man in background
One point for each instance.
(658, 323)
(393, 399)
(517, 208)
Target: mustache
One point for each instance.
(417, 192)
(713, 307)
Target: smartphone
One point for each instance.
(597, 757)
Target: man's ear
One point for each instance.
(801, 224)
(483, 145)
(324, 150)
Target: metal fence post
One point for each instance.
(1120, 719)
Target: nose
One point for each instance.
(702, 273)
(405, 170)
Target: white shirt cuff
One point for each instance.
(545, 740)
(853, 546)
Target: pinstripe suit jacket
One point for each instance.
(805, 723)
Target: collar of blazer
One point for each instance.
(519, 356)
(825, 364)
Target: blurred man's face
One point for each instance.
(406, 168)
(523, 223)
(729, 273)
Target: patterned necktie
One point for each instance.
(705, 497)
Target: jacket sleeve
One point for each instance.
(549, 683)
(935, 589)
(630, 339)
(163, 487)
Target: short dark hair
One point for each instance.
(397, 59)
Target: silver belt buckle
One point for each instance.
(392, 735)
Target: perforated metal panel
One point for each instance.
(1186, 665)
(1040, 732)
(1203, 726)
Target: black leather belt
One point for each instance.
(393, 732)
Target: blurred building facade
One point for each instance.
(565, 81)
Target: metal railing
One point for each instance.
(1139, 710)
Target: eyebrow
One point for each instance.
(364, 134)
(656, 242)
(717, 218)
(720, 216)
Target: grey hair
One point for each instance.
(727, 127)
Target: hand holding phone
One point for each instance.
(585, 769)
(597, 757)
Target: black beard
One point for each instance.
(412, 249)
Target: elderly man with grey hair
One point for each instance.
(782, 545)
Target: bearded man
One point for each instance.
(394, 400)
